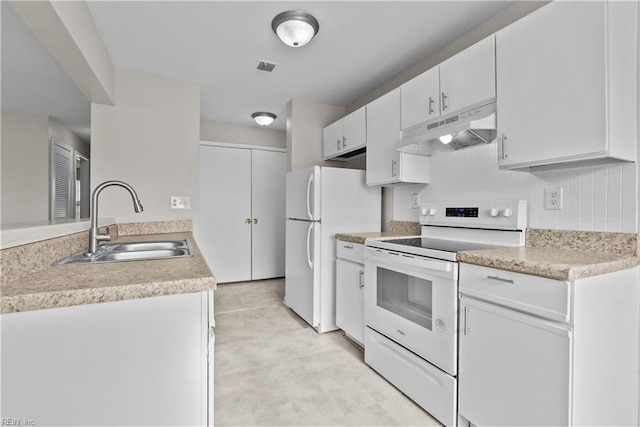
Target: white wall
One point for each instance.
(150, 140)
(238, 134)
(65, 136)
(25, 168)
(595, 198)
(305, 121)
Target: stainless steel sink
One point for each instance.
(144, 246)
(138, 255)
(132, 251)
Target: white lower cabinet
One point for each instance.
(514, 370)
(536, 351)
(350, 290)
(145, 362)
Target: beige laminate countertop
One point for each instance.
(362, 237)
(555, 254)
(554, 263)
(80, 284)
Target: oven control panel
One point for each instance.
(501, 215)
(462, 212)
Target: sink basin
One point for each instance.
(145, 246)
(132, 251)
(140, 254)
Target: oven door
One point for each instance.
(413, 300)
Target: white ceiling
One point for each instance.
(360, 45)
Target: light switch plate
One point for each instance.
(180, 202)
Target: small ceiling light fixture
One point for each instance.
(295, 28)
(263, 119)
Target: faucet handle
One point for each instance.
(104, 236)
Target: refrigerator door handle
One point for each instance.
(309, 259)
(309, 196)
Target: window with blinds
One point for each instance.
(61, 181)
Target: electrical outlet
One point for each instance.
(415, 201)
(553, 198)
(180, 202)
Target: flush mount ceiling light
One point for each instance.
(263, 119)
(295, 28)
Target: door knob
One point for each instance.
(247, 221)
(255, 220)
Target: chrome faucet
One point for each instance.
(94, 234)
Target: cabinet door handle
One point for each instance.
(361, 279)
(393, 168)
(500, 279)
(337, 144)
(503, 142)
(466, 329)
(444, 101)
(348, 247)
(430, 105)
(255, 220)
(344, 142)
(247, 220)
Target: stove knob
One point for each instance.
(507, 212)
(494, 212)
(424, 212)
(432, 212)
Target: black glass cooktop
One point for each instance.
(438, 244)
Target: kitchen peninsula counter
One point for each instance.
(81, 284)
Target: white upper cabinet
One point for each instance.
(468, 78)
(386, 165)
(354, 130)
(465, 80)
(332, 140)
(567, 85)
(420, 98)
(346, 138)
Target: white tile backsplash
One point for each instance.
(595, 198)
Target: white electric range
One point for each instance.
(411, 296)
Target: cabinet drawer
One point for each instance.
(529, 294)
(432, 389)
(351, 251)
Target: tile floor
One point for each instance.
(272, 369)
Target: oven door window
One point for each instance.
(407, 296)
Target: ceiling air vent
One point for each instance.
(264, 68)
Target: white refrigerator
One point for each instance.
(321, 202)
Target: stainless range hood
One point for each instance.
(466, 129)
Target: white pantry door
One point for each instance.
(225, 212)
(268, 213)
(242, 212)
